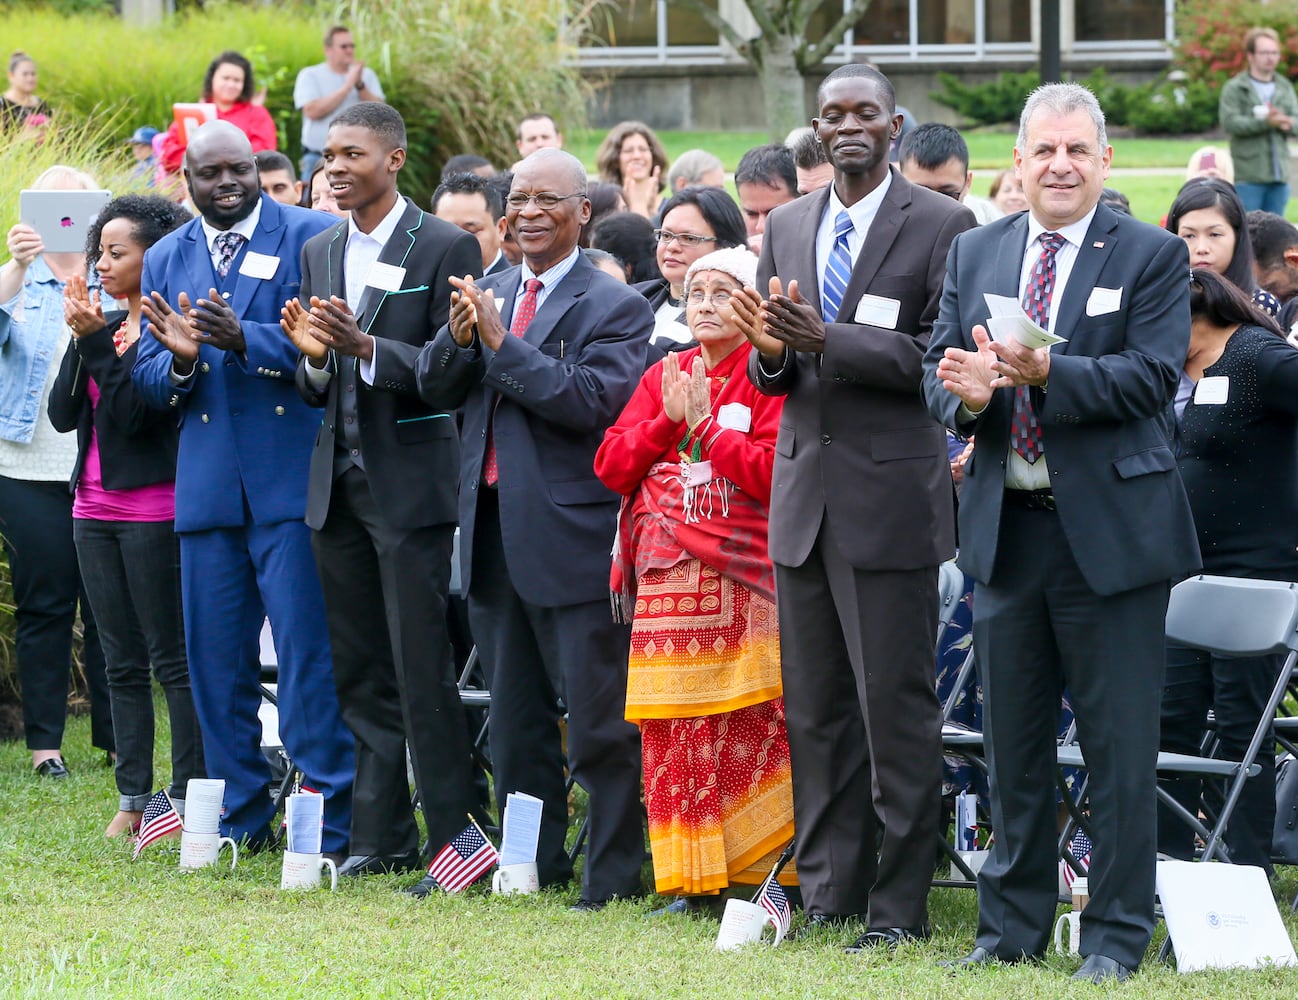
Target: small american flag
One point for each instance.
(160, 818)
(771, 898)
(1081, 850)
(464, 860)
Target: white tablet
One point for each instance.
(62, 218)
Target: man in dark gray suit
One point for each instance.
(541, 358)
(861, 512)
(1073, 520)
(381, 495)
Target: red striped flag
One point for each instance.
(464, 860)
(160, 818)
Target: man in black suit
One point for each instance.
(541, 358)
(470, 202)
(861, 513)
(1073, 520)
(381, 499)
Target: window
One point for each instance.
(1008, 20)
(1119, 20)
(634, 23)
(887, 22)
(687, 27)
(946, 22)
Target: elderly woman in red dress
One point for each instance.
(692, 454)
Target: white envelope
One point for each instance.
(1103, 301)
(259, 265)
(1212, 390)
(385, 277)
(877, 310)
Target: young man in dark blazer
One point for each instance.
(381, 502)
(861, 512)
(1073, 520)
(541, 359)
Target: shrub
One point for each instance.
(1170, 107)
(990, 103)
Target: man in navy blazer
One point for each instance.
(217, 358)
(536, 525)
(1072, 544)
(382, 497)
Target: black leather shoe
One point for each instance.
(887, 938)
(813, 923)
(52, 768)
(379, 864)
(1100, 969)
(584, 905)
(425, 886)
(975, 959)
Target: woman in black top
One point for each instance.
(19, 104)
(1237, 416)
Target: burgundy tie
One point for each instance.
(1025, 431)
(518, 326)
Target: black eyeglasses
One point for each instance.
(684, 239)
(546, 200)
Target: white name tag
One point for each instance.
(697, 473)
(259, 265)
(875, 310)
(1212, 391)
(735, 417)
(385, 277)
(1103, 301)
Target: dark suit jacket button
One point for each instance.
(824, 439)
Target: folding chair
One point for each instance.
(284, 773)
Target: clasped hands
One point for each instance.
(182, 331)
(779, 322)
(324, 325)
(975, 375)
(81, 307)
(686, 396)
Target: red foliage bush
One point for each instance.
(1210, 36)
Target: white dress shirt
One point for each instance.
(244, 227)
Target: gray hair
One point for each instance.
(692, 165)
(1062, 99)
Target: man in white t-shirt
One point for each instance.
(322, 91)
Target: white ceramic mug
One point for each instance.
(521, 879)
(302, 871)
(201, 850)
(744, 923)
(203, 800)
(1260, 111)
(1073, 920)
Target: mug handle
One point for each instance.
(1065, 920)
(333, 873)
(495, 882)
(779, 931)
(234, 850)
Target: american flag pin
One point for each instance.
(1098, 244)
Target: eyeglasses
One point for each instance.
(719, 299)
(684, 239)
(546, 200)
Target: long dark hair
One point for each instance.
(1222, 303)
(1213, 192)
(718, 210)
(233, 59)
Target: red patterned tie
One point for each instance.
(518, 326)
(1025, 432)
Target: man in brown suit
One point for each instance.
(861, 512)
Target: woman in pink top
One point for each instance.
(124, 504)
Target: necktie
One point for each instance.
(228, 245)
(838, 269)
(518, 326)
(1025, 432)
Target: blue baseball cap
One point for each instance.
(142, 136)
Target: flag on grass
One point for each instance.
(1080, 847)
(160, 818)
(771, 898)
(464, 860)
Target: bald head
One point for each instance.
(555, 163)
(222, 174)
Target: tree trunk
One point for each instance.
(782, 87)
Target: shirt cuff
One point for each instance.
(318, 378)
(965, 415)
(365, 369)
(178, 379)
(784, 363)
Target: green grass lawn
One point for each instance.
(79, 919)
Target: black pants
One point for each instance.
(132, 578)
(36, 522)
(1237, 691)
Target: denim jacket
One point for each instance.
(31, 324)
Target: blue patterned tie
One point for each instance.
(838, 270)
(1025, 431)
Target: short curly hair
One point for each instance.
(606, 159)
(231, 59)
(152, 217)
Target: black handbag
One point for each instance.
(1284, 841)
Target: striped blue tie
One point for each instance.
(838, 270)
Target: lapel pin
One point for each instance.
(1098, 244)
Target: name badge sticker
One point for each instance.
(735, 417)
(1212, 390)
(876, 310)
(385, 277)
(259, 265)
(1103, 301)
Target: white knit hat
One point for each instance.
(738, 262)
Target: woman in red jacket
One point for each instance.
(229, 85)
(692, 454)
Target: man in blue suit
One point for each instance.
(223, 365)
(539, 381)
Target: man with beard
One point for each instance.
(215, 355)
